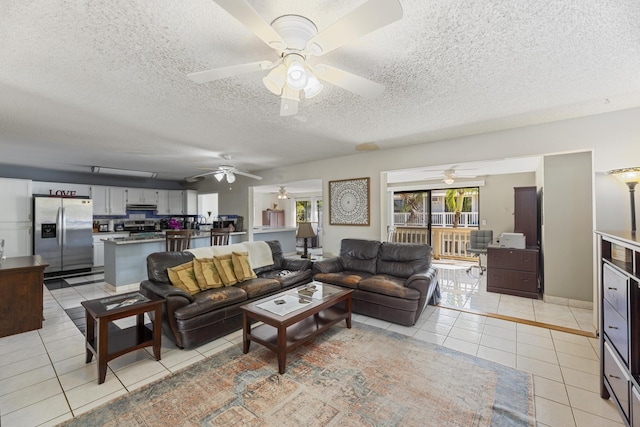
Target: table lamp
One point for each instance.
(630, 176)
(305, 231)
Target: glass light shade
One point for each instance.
(627, 175)
(296, 75)
(231, 178)
(219, 176)
(274, 81)
(313, 86)
(448, 180)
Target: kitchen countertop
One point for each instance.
(156, 237)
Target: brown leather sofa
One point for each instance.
(391, 281)
(191, 320)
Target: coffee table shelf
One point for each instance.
(284, 333)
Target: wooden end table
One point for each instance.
(107, 345)
(293, 317)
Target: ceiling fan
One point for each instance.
(450, 175)
(295, 40)
(224, 171)
(282, 193)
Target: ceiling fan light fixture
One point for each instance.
(274, 81)
(231, 178)
(282, 194)
(448, 180)
(219, 176)
(296, 73)
(313, 86)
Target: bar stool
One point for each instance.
(219, 236)
(177, 240)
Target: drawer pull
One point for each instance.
(612, 289)
(614, 376)
(612, 327)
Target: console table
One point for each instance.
(21, 282)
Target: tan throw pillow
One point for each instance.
(183, 277)
(224, 265)
(241, 266)
(206, 274)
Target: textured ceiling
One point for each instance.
(102, 82)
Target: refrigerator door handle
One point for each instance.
(63, 221)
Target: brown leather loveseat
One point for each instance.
(391, 281)
(193, 319)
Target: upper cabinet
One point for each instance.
(163, 202)
(190, 202)
(109, 200)
(16, 196)
(175, 202)
(145, 196)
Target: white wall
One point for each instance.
(612, 136)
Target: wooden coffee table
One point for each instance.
(110, 344)
(293, 317)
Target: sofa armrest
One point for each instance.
(295, 264)
(165, 290)
(327, 265)
(422, 281)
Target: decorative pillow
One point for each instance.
(183, 277)
(224, 265)
(241, 266)
(206, 274)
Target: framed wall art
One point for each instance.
(349, 202)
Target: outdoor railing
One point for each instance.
(449, 243)
(438, 219)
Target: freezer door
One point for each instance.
(47, 232)
(77, 234)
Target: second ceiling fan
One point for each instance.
(296, 39)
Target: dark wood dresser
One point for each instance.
(21, 282)
(512, 271)
(619, 321)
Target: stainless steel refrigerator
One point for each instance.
(62, 233)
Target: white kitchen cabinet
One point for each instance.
(16, 200)
(176, 205)
(98, 252)
(17, 238)
(190, 202)
(145, 196)
(108, 200)
(117, 201)
(163, 202)
(100, 198)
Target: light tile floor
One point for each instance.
(468, 291)
(44, 379)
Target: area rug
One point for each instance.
(364, 376)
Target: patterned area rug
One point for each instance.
(364, 376)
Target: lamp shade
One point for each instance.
(627, 175)
(305, 230)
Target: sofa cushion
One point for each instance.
(290, 278)
(241, 266)
(388, 285)
(183, 277)
(257, 287)
(347, 279)
(212, 299)
(403, 259)
(224, 265)
(206, 274)
(359, 255)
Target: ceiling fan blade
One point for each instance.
(356, 84)
(247, 15)
(364, 19)
(233, 70)
(247, 174)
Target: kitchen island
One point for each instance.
(125, 258)
(285, 235)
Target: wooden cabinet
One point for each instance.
(273, 218)
(21, 280)
(512, 271)
(525, 214)
(619, 322)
